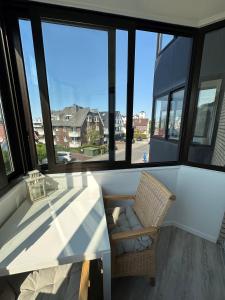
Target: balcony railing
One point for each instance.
(74, 134)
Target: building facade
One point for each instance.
(73, 127)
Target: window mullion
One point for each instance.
(112, 91)
(130, 93)
(168, 115)
(43, 87)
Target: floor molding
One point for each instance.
(189, 229)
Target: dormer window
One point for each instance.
(68, 117)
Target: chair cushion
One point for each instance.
(122, 219)
(62, 282)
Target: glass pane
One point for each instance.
(121, 93)
(206, 113)
(175, 116)
(166, 39)
(160, 117)
(4, 143)
(208, 143)
(77, 73)
(145, 54)
(33, 89)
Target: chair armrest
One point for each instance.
(134, 233)
(118, 197)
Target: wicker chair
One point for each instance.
(151, 203)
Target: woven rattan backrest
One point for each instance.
(153, 200)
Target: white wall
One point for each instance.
(11, 200)
(200, 201)
(199, 206)
(120, 181)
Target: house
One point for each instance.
(2, 132)
(120, 125)
(74, 127)
(141, 126)
(39, 131)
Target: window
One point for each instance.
(160, 117)
(163, 41)
(175, 115)
(77, 74)
(121, 93)
(206, 112)
(145, 50)
(207, 145)
(33, 89)
(83, 80)
(4, 143)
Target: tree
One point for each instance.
(93, 136)
(41, 152)
(6, 159)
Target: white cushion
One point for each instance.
(62, 282)
(122, 219)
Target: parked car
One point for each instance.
(63, 157)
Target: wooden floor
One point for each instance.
(188, 268)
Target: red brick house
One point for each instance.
(141, 125)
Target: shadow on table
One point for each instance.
(36, 234)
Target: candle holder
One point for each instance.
(36, 185)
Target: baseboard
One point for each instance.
(198, 233)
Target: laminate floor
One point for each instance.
(188, 268)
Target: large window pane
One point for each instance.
(121, 93)
(33, 89)
(160, 117)
(145, 54)
(176, 107)
(4, 143)
(77, 73)
(206, 112)
(207, 146)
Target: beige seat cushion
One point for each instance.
(62, 282)
(122, 219)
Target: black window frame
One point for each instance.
(11, 113)
(219, 91)
(35, 11)
(169, 95)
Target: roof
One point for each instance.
(77, 116)
(140, 122)
(105, 118)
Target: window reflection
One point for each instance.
(4, 143)
(160, 117)
(176, 106)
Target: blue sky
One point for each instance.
(77, 67)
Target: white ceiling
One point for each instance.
(195, 13)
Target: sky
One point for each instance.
(77, 67)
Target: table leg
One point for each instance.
(106, 260)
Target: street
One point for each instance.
(138, 150)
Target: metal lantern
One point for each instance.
(36, 185)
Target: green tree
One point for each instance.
(41, 152)
(6, 159)
(93, 136)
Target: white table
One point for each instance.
(69, 226)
